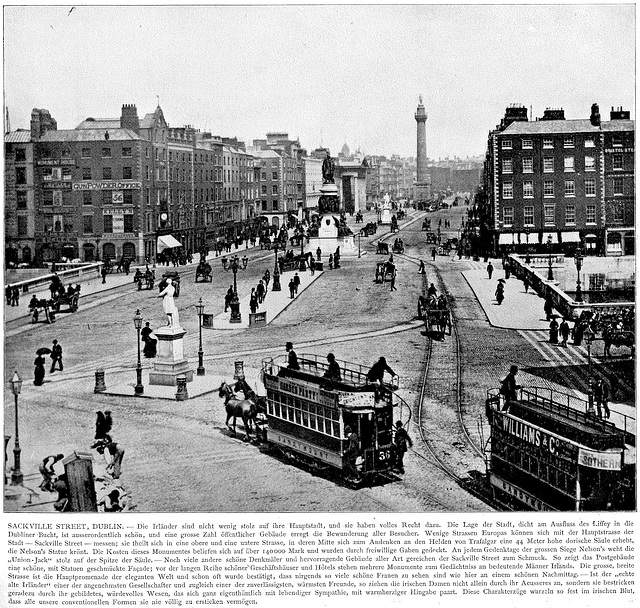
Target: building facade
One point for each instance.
(550, 184)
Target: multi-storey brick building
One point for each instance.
(552, 182)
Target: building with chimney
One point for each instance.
(554, 184)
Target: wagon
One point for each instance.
(383, 248)
(68, 300)
(203, 272)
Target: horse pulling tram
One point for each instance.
(550, 452)
(308, 414)
(436, 315)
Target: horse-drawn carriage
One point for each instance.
(394, 224)
(398, 246)
(384, 271)
(175, 281)
(203, 272)
(432, 238)
(436, 315)
(382, 248)
(369, 229)
(359, 218)
(68, 299)
(426, 225)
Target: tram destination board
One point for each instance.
(301, 389)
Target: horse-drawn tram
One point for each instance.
(550, 452)
(309, 414)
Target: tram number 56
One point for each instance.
(384, 455)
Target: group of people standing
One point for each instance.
(259, 292)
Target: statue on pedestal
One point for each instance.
(169, 305)
(327, 170)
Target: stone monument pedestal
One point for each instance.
(385, 216)
(170, 361)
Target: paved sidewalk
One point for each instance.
(519, 310)
(274, 303)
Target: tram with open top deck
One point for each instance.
(307, 415)
(549, 451)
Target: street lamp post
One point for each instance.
(527, 260)
(578, 260)
(16, 474)
(137, 322)
(550, 273)
(276, 273)
(234, 265)
(359, 239)
(200, 311)
(589, 337)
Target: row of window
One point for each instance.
(87, 174)
(316, 417)
(548, 164)
(549, 215)
(568, 141)
(549, 188)
(107, 152)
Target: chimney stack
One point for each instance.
(595, 115)
(129, 118)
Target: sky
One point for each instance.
(326, 74)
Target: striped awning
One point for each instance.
(506, 238)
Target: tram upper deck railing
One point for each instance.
(353, 376)
(567, 406)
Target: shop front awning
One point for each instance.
(547, 235)
(570, 237)
(166, 241)
(505, 239)
(591, 237)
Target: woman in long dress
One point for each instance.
(38, 374)
(168, 304)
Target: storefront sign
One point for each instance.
(107, 185)
(56, 186)
(605, 461)
(518, 493)
(52, 162)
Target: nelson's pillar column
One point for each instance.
(422, 188)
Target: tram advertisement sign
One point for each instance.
(606, 461)
(302, 390)
(530, 433)
(517, 492)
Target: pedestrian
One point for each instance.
(525, 282)
(15, 296)
(312, 266)
(292, 288)
(393, 279)
(56, 356)
(228, 297)
(578, 333)
(421, 268)
(333, 370)
(548, 306)
(330, 261)
(318, 254)
(402, 442)
(509, 388)
(104, 423)
(266, 278)
(253, 301)
(38, 372)
(500, 293)
(103, 272)
(553, 331)
(433, 254)
(260, 292)
(564, 331)
(61, 486)
(150, 341)
(432, 291)
(7, 294)
(507, 270)
(600, 394)
(296, 283)
(33, 308)
(111, 502)
(490, 270)
(351, 452)
(47, 471)
(292, 358)
(117, 454)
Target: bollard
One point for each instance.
(182, 394)
(100, 386)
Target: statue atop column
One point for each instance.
(327, 170)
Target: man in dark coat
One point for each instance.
(490, 269)
(296, 283)
(56, 357)
(509, 388)
(376, 373)
(228, 297)
(292, 288)
(402, 442)
(351, 452)
(149, 342)
(548, 307)
(47, 472)
(292, 358)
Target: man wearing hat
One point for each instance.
(509, 387)
(292, 357)
(351, 451)
(56, 356)
(401, 440)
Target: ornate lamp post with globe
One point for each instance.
(578, 260)
(200, 311)
(234, 265)
(550, 272)
(16, 474)
(276, 272)
(137, 323)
